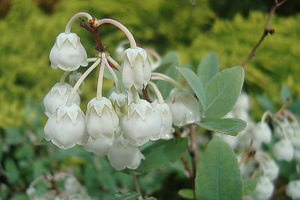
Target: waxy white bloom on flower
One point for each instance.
(283, 150)
(166, 119)
(262, 132)
(184, 107)
(122, 154)
(57, 96)
(119, 102)
(101, 118)
(141, 123)
(99, 146)
(293, 189)
(68, 53)
(264, 188)
(136, 70)
(66, 127)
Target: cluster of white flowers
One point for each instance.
(283, 138)
(118, 125)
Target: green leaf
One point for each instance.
(249, 186)
(151, 198)
(218, 175)
(186, 193)
(12, 171)
(222, 92)
(162, 153)
(265, 103)
(195, 84)
(285, 93)
(207, 68)
(229, 125)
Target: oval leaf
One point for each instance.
(207, 68)
(162, 154)
(195, 83)
(229, 125)
(222, 91)
(218, 175)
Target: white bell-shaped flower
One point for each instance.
(99, 146)
(141, 123)
(271, 169)
(101, 118)
(68, 53)
(293, 189)
(57, 96)
(184, 107)
(66, 127)
(119, 102)
(136, 70)
(264, 188)
(283, 150)
(262, 132)
(166, 119)
(122, 154)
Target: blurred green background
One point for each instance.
(28, 29)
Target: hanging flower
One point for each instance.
(66, 127)
(122, 154)
(119, 102)
(101, 118)
(283, 150)
(99, 146)
(57, 96)
(262, 132)
(141, 123)
(166, 119)
(68, 53)
(136, 70)
(184, 107)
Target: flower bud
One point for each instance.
(101, 118)
(293, 189)
(141, 123)
(262, 132)
(68, 53)
(122, 154)
(99, 146)
(264, 188)
(119, 102)
(184, 107)
(136, 70)
(57, 96)
(166, 119)
(283, 150)
(66, 127)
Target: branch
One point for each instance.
(267, 30)
(94, 32)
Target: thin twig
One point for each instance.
(250, 153)
(94, 32)
(267, 30)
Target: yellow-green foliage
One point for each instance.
(27, 35)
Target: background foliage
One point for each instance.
(28, 29)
